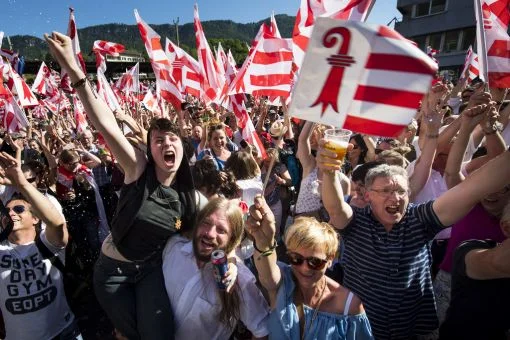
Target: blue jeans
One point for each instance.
(134, 297)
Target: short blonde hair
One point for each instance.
(307, 232)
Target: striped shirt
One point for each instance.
(390, 272)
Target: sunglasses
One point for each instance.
(32, 180)
(18, 209)
(216, 127)
(314, 263)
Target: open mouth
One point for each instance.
(169, 157)
(392, 209)
(208, 245)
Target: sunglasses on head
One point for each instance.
(314, 263)
(216, 127)
(18, 209)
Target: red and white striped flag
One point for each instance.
(309, 10)
(267, 70)
(186, 70)
(45, 83)
(18, 86)
(250, 135)
(160, 63)
(273, 27)
(493, 41)
(221, 58)
(79, 115)
(14, 119)
(129, 82)
(150, 101)
(106, 92)
(102, 48)
(57, 102)
(432, 54)
(72, 32)
(211, 71)
(344, 78)
(471, 65)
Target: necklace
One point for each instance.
(316, 310)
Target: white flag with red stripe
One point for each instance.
(150, 101)
(101, 48)
(129, 82)
(72, 32)
(57, 102)
(45, 83)
(106, 92)
(211, 71)
(309, 10)
(471, 65)
(250, 135)
(365, 78)
(186, 70)
(13, 119)
(79, 115)
(19, 87)
(267, 70)
(493, 41)
(160, 63)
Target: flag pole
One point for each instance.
(481, 42)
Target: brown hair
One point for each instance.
(68, 156)
(243, 165)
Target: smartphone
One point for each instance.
(5, 147)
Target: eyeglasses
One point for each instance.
(32, 179)
(386, 192)
(18, 209)
(314, 263)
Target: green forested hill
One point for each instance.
(232, 35)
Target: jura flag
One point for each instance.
(366, 78)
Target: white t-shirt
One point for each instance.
(32, 297)
(195, 301)
(250, 188)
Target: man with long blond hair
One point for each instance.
(200, 307)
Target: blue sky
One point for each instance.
(35, 17)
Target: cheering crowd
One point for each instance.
(405, 238)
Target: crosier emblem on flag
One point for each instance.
(350, 88)
(338, 62)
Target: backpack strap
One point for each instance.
(49, 255)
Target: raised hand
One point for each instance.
(473, 116)
(261, 224)
(61, 49)
(11, 173)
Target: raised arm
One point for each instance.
(304, 150)
(469, 120)
(459, 200)
(97, 110)
(261, 226)
(340, 213)
(433, 117)
(56, 230)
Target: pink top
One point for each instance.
(476, 225)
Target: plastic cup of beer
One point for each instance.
(337, 141)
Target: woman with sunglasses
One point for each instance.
(305, 303)
(156, 201)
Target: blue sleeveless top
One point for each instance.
(284, 319)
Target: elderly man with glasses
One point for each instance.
(386, 243)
